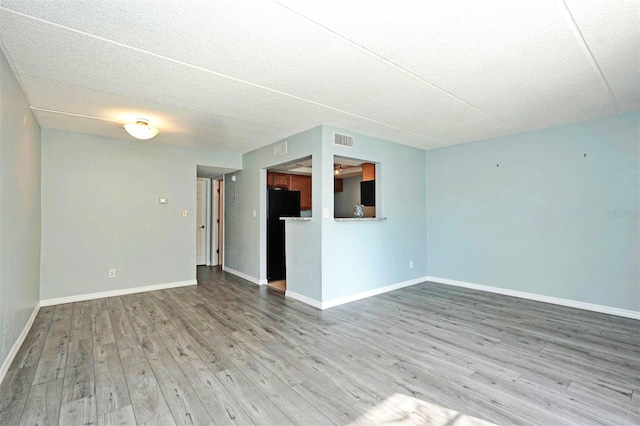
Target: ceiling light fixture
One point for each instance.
(337, 170)
(141, 129)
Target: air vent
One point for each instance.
(343, 140)
(280, 149)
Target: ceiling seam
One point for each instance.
(18, 77)
(176, 61)
(76, 115)
(393, 64)
(575, 30)
(179, 107)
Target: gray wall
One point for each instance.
(100, 210)
(19, 210)
(245, 236)
(548, 220)
(362, 256)
(345, 201)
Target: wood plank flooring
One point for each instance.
(228, 352)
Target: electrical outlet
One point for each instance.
(185, 213)
(112, 273)
(255, 213)
(411, 264)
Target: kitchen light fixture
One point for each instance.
(141, 129)
(337, 169)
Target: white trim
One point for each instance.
(19, 341)
(244, 276)
(363, 295)
(541, 298)
(304, 299)
(112, 293)
(223, 223)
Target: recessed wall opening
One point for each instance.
(354, 188)
(209, 213)
(288, 195)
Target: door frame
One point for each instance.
(215, 258)
(207, 220)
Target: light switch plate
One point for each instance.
(185, 213)
(163, 201)
(326, 213)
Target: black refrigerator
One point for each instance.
(280, 203)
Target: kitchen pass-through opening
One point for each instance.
(288, 195)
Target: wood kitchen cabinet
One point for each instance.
(368, 172)
(278, 180)
(303, 184)
(281, 180)
(338, 185)
(300, 183)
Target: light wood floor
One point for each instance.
(280, 285)
(229, 352)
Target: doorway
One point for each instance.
(209, 217)
(202, 220)
(217, 217)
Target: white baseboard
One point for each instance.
(113, 293)
(353, 297)
(16, 346)
(541, 298)
(304, 299)
(363, 295)
(244, 276)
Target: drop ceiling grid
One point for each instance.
(517, 61)
(229, 138)
(395, 92)
(60, 96)
(613, 37)
(194, 89)
(295, 117)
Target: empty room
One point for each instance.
(319, 213)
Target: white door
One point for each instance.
(215, 223)
(201, 222)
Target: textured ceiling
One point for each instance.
(237, 75)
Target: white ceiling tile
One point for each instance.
(612, 32)
(236, 74)
(516, 60)
(109, 68)
(178, 126)
(302, 60)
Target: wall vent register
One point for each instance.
(343, 140)
(280, 149)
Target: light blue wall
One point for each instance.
(100, 210)
(539, 222)
(345, 201)
(245, 236)
(19, 210)
(362, 256)
(327, 259)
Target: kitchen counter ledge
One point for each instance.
(359, 219)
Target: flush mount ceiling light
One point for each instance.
(337, 169)
(141, 129)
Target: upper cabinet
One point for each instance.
(303, 184)
(368, 171)
(300, 183)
